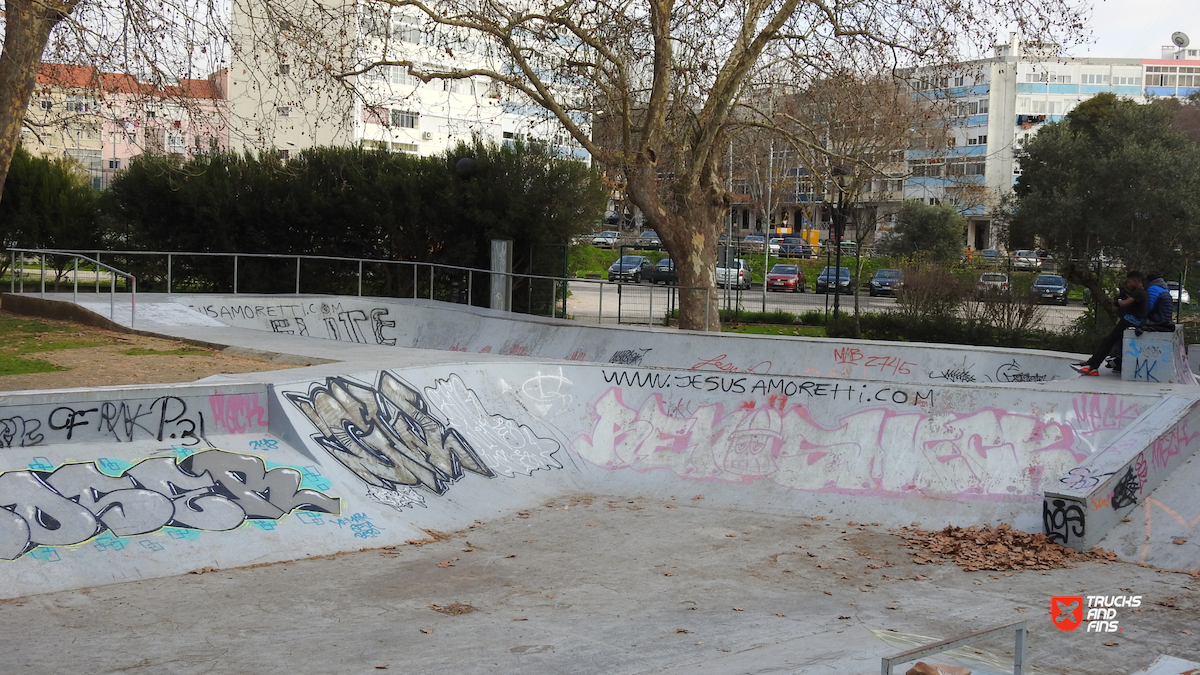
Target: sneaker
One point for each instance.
(1088, 370)
(1081, 367)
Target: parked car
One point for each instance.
(773, 244)
(991, 282)
(849, 248)
(1050, 287)
(990, 255)
(648, 241)
(663, 273)
(606, 239)
(630, 268)
(795, 247)
(753, 242)
(886, 282)
(839, 277)
(1179, 295)
(1026, 260)
(737, 274)
(784, 277)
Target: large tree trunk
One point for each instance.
(26, 30)
(688, 223)
(1086, 277)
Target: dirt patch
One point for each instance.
(105, 365)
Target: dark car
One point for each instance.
(630, 268)
(786, 278)
(1050, 287)
(648, 241)
(663, 272)
(830, 277)
(794, 247)
(886, 282)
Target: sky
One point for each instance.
(1139, 28)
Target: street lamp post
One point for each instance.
(839, 223)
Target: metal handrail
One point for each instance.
(950, 643)
(470, 272)
(76, 257)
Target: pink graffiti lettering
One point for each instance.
(577, 356)
(457, 348)
(718, 363)
(516, 349)
(237, 413)
(1170, 444)
(1103, 412)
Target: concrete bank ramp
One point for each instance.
(450, 327)
(137, 482)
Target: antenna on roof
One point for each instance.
(1180, 39)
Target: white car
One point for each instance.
(607, 239)
(1026, 260)
(1179, 295)
(773, 244)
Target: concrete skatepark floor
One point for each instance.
(593, 584)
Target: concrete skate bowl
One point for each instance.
(126, 483)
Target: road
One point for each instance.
(634, 303)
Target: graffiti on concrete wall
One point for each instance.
(1063, 520)
(365, 326)
(210, 490)
(166, 418)
(504, 445)
(237, 413)
(887, 450)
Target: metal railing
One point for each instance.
(636, 303)
(1018, 627)
(114, 273)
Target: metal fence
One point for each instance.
(268, 273)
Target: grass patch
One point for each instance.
(182, 351)
(11, 364)
(767, 329)
(20, 335)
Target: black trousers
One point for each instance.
(1109, 342)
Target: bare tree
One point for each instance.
(667, 79)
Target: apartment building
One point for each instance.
(103, 120)
(282, 99)
(997, 104)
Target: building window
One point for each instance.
(408, 29)
(405, 119)
(46, 104)
(285, 69)
(150, 114)
(410, 148)
(284, 154)
(1094, 78)
(1121, 81)
(283, 111)
(958, 81)
(114, 163)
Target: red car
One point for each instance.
(786, 278)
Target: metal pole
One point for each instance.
(600, 314)
(75, 276)
(235, 271)
(619, 294)
(707, 306)
(770, 214)
(12, 272)
(97, 272)
(43, 259)
(112, 298)
(431, 282)
(839, 222)
(22, 271)
(297, 275)
(1019, 653)
(652, 304)
(359, 279)
(414, 281)
(471, 287)
(133, 301)
(168, 270)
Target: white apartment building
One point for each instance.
(999, 103)
(281, 100)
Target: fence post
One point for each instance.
(297, 275)
(651, 318)
(168, 273)
(470, 287)
(360, 278)
(414, 281)
(431, 282)
(97, 272)
(235, 271)
(75, 278)
(12, 272)
(112, 298)
(132, 301)
(707, 304)
(600, 314)
(42, 257)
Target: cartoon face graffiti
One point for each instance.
(754, 444)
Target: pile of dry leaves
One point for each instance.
(994, 548)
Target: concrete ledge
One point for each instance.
(1103, 489)
(1155, 357)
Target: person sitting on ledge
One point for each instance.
(1160, 306)
(1133, 302)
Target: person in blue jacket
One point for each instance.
(1134, 303)
(1160, 306)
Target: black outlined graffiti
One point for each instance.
(956, 373)
(507, 447)
(211, 490)
(1125, 492)
(18, 432)
(285, 326)
(1082, 478)
(1061, 521)
(1011, 372)
(628, 357)
(386, 434)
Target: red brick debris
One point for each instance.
(997, 547)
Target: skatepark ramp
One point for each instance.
(392, 442)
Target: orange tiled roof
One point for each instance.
(87, 77)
